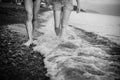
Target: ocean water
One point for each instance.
(107, 9)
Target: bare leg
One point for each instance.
(57, 17)
(64, 21)
(67, 9)
(29, 10)
(36, 8)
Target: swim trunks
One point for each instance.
(58, 4)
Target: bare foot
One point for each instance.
(58, 31)
(28, 43)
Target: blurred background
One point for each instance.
(109, 7)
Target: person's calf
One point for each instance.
(29, 28)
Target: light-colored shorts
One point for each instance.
(58, 4)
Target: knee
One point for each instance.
(29, 16)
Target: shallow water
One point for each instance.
(107, 9)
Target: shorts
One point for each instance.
(59, 4)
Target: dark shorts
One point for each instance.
(58, 4)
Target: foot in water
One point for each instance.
(36, 34)
(28, 43)
(57, 31)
